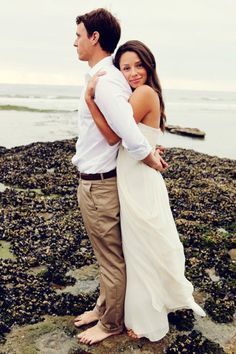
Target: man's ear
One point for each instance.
(95, 37)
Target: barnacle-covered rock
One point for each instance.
(182, 319)
(194, 343)
(220, 310)
(41, 221)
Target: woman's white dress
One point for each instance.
(155, 261)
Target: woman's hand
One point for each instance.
(158, 152)
(160, 149)
(155, 161)
(90, 90)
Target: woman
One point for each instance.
(153, 253)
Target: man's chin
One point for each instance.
(81, 58)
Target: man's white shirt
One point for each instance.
(93, 153)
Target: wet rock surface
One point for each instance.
(50, 270)
(192, 132)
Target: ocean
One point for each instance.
(41, 113)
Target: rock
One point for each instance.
(193, 132)
(86, 280)
(57, 335)
(232, 254)
(212, 274)
(194, 342)
(40, 218)
(3, 149)
(52, 336)
(5, 250)
(57, 342)
(2, 187)
(224, 334)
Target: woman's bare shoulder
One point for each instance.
(145, 89)
(145, 94)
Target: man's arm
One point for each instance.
(113, 104)
(119, 115)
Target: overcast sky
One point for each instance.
(194, 41)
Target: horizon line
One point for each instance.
(79, 85)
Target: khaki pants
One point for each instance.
(99, 205)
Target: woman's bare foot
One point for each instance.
(94, 335)
(131, 334)
(86, 318)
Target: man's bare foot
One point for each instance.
(86, 318)
(94, 335)
(131, 334)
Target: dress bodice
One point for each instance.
(150, 133)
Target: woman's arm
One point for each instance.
(111, 137)
(101, 123)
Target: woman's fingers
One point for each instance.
(100, 73)
(160, 149)
(164, 163)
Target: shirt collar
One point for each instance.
(104, 62)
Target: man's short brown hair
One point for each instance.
(105, 24)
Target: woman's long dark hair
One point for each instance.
(149, 63)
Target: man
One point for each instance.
(98, 33)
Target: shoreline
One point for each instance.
(21, 128)
(179, 145)
(42, 228)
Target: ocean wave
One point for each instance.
(9, 107)
(199, 99)
(49, 97)
(212, 99)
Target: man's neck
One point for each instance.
(98, 57)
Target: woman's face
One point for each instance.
(133, 70)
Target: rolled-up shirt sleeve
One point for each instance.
(112, 102)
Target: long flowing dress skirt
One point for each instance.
(154, 255)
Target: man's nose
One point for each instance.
(75, 43)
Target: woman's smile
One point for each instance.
(133, 70)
